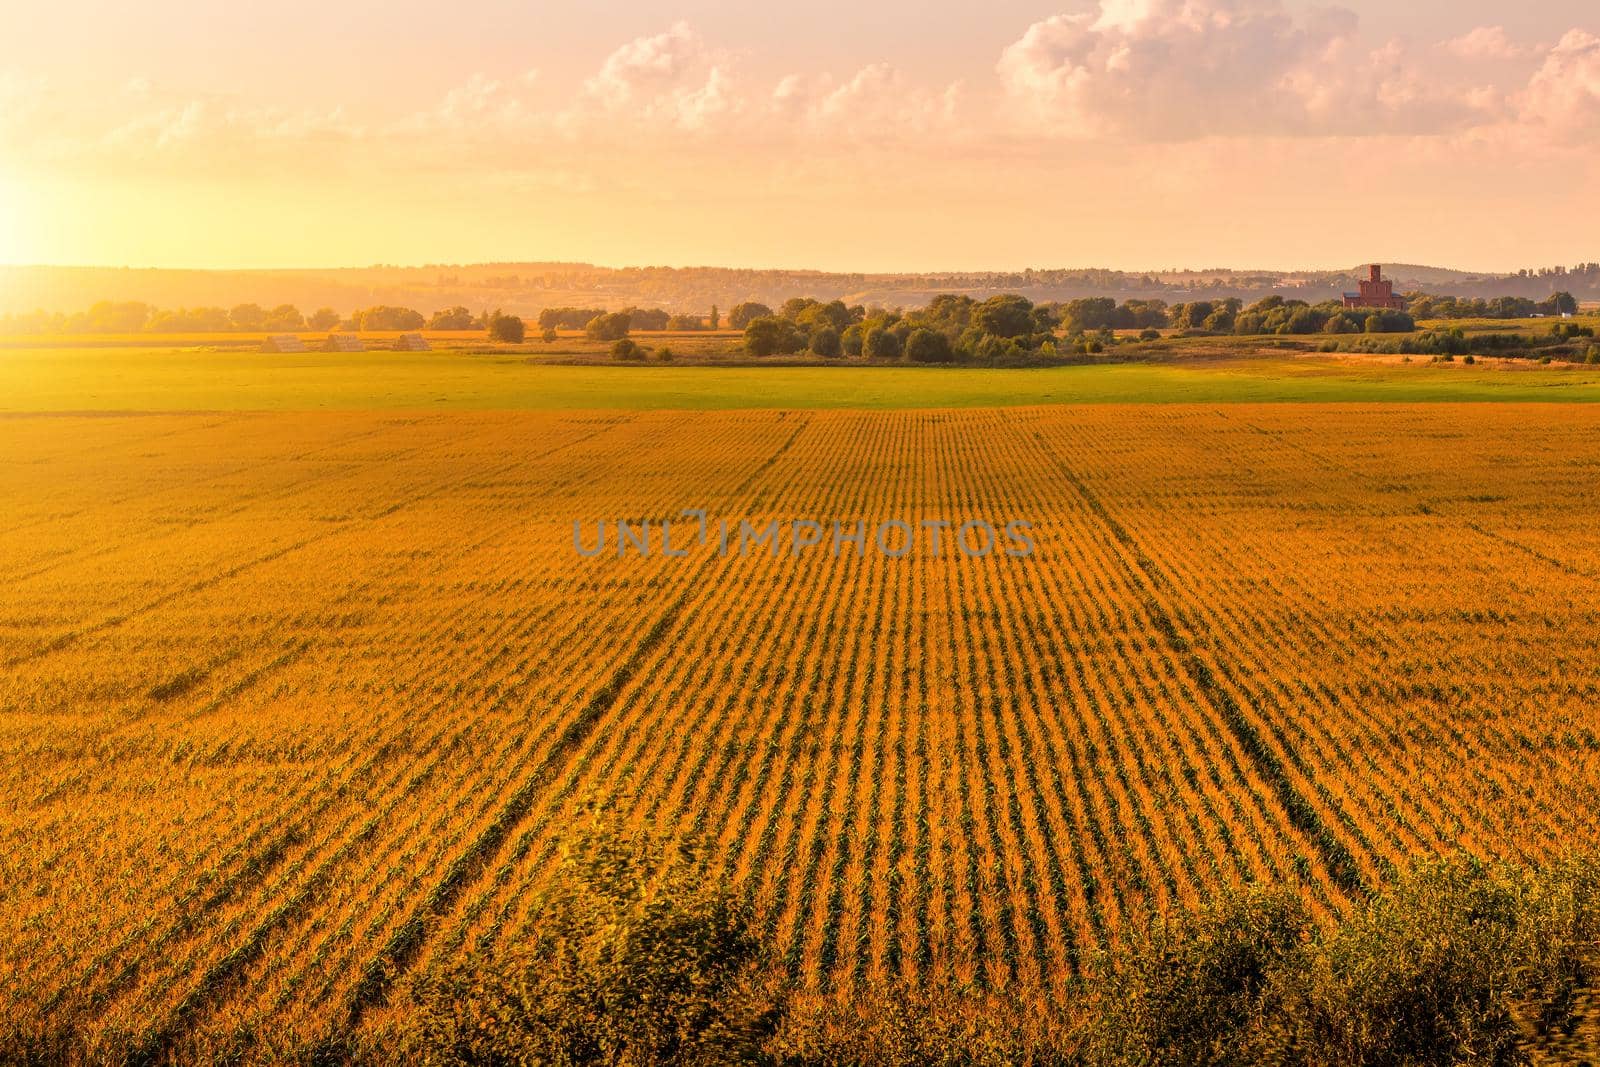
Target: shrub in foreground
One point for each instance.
(1203, 987)
(638, 958)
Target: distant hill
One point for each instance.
(526, 288)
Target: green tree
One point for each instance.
(323, 319)
(881, 342)
(455, 318)
(113, 317)
(383, 317)
(825, 342)
(770, 335)
(247, 317)
(508, 328)
(928, 346)
(1005, 316)
(744, 314)
(608, 327)
(716, 317)
(851, 340)
(284, 317)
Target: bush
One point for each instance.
(1199, 987)
(637, 954)
(508, 328)
(1149, 335)
(548, 335)
(664, 354)
(1423, 975)
(1594, 354)
(639, 957)
(1470, 360)
(1458, 962)
(626, 348)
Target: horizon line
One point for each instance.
(772, 268)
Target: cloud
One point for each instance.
(1186, 69)
(672, 77)
(207, 126)
(1487, 43)
(1564, 93)
(1174, 71)
(879, 102)
(1159, 69)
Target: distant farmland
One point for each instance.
(297, 705)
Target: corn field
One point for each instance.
(297, 706)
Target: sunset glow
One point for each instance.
(1126, 133)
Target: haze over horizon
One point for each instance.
(1130, 134)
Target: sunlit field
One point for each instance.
(79, 377)
(299, 703)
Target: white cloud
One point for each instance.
(879, 102)
(1184, 69)
(1565, 92)
(1125, 70)
(671, 77)
(1161, 69)
(1487, 43)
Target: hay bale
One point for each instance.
(283, 342)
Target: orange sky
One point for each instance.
(1122, 133)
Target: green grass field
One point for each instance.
(186, 379)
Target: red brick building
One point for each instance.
(1376, 292)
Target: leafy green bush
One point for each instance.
(637, 957)
(1202, 988)
(1423, 975)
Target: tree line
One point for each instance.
(952, 327)
(1009, 328)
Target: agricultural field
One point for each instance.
(109, 377)
(298, 704)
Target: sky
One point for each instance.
(1132, 134)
